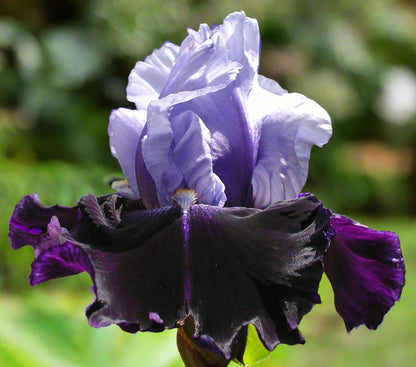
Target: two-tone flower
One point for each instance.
(210, 228)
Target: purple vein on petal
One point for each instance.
(187, 272)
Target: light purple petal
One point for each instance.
(148, 77)
(202, 66)
(224, 114)
(125, 130)
(242, 38)
(270, 85)
(177, 155)
(366, 270)
(290, 124)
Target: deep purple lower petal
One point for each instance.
(59, 261)
(256, 267)
(366, 270)
(224, 267)
(30, 219)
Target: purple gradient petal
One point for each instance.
(224, 115)
(30, 219)
(125, 130)
(366, 270)
(177, 155)
(148, 77)
(290, 124)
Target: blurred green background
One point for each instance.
(64, 66)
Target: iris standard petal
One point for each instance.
(176, 151)
(148, 77)
(30, 220)
(270, 85)
(242, 38)
(224, 267)
(366, 270)
(125, 130)
(290, 125)
(224, 114)
(202, 66)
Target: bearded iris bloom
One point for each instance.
(210, 229)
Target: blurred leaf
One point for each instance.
(255, 351)
(74, 56)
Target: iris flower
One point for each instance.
(209, 232)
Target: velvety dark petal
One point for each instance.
(264, 269)
(30, 219)
(366, 270)
(224, 267)
(59, 261)
(139, 272)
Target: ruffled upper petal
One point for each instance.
(147, 79)
(202, 66)
(289, 124)
(242, 38)
(366, 270)
(125, 131)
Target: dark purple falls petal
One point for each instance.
(224, 267)
(59, 261)
(30, 220)
(366, 270)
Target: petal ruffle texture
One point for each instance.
(30, 220)
(290, 125)
(366, 270)
(148, 78)
(202, 66)
(242, 38)
(59, 261)
(224, 267)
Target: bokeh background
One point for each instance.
(64, 66)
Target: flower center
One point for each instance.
(184, 198)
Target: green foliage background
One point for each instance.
(64, 66)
